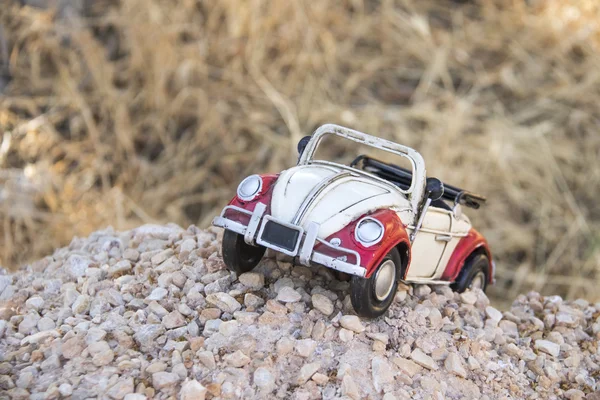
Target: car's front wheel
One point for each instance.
(371, 297)
(238, 255)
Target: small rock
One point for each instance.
(158, 294)
(35, 303)
(407, 366)
(493, 314)
(422, 290)
(45, 324)
(120, 389)
(382, 373)
(349, 388)
(352, 322)
(306, 372)
(305, 347)
(423, 359)
(192, 390)
(468, 297)
(208, 359)
(224, 301)
(454, 365)
(162, 380)
(229, 328)
(173, 320)
(288, 295)
(252, 280)
(281, 283)
(121, 267)
(157, 366)
(322, 304)
(252, 301)
(29, 324)
(237, 359)
(65, 389)
(346, 335)
(264, 379)
(320, 379)
(547, 347)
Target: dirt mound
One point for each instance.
(152, 313)
(161, 109)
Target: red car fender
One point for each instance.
(465, 247)
(264, 196)
(394, 234)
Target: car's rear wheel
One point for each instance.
(371, 297)
(474, 274)
(238, 255)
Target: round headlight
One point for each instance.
(249, 187)
(369, 231)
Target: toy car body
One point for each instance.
(376, 221)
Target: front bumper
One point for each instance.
(253, 234)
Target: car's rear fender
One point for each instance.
(395, 235)
(473, 242)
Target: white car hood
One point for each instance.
(338, 197)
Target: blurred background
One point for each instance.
(126, 112)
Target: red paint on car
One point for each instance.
(465, 247)
(371, 256)
(264, 196)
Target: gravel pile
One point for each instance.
(152, 313)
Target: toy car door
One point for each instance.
(430, 244)
(459, 228)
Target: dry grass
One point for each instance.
(125, 112)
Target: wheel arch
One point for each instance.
(403, 248)
(469, 246)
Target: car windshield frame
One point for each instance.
(417, 186)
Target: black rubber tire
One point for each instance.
(362, 290)
(239, 256)
(475, 263)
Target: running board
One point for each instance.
(425, 281)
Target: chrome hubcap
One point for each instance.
(478, 281)
(384, 280)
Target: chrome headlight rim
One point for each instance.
(363, 238)
(250, 187)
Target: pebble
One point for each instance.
(305, 347)
(158, 293)
(306, 372)
(548, 347)
(322, 304)
(493, 314)
(352, 322)
(173, 320)
(423, 359)
(288, 295)
(264, 379)
(35, 303)
(468, 297)
(454, 365)
(163, 379)
(382, 373)
(252, 280)
(224, 301)
(237, 359)
(192, 390)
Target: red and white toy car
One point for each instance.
(374, 220)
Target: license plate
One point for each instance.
(281, 236)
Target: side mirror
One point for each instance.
(302, 144)
(434, 188)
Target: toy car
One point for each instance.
(374, 220)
